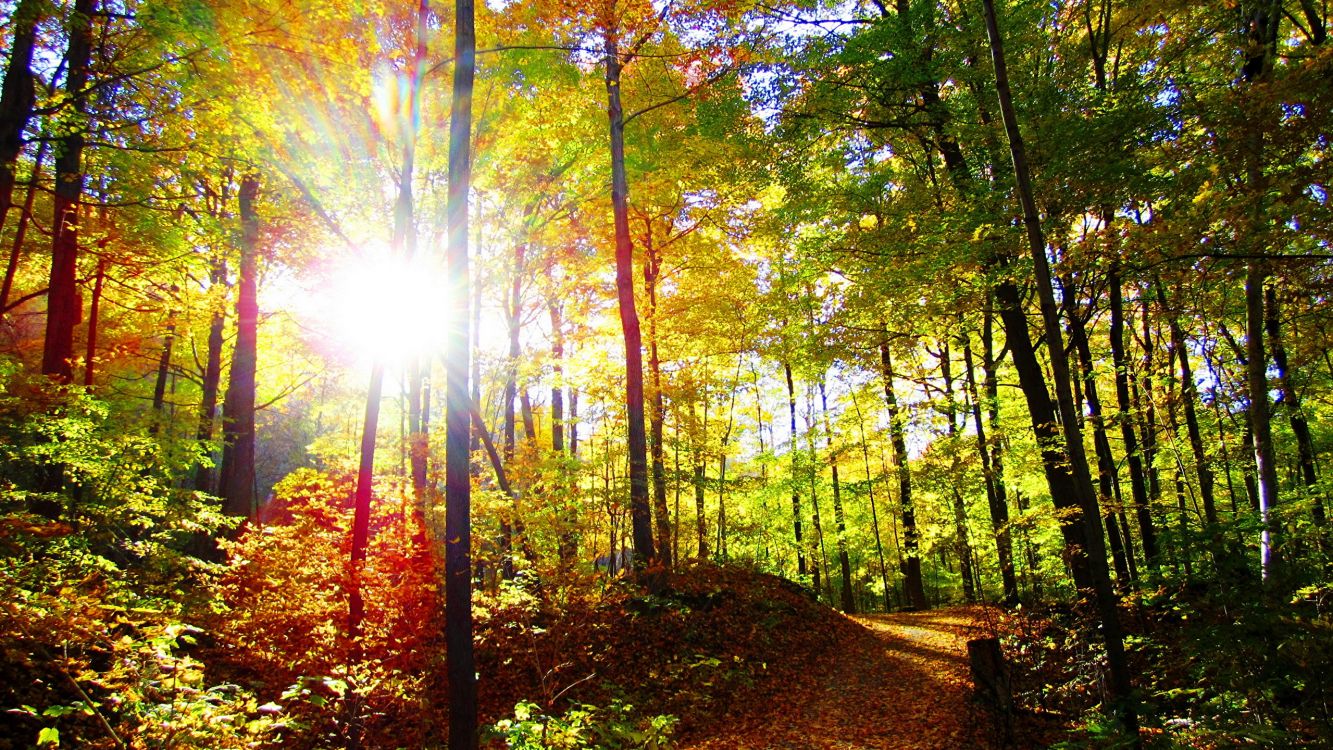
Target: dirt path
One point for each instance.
(903, 682)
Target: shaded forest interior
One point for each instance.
(643, 374)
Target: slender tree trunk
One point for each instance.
(62, 297)
(163, 371)
(698, 455)
(964, 544)
(1121, 684)
(795, 485)
(814, 503)
(462, 672)
(17, 98)
(637, 440)
(657, 410)
(999, 509)
(94, 320)
(874, 511)
(365, 478)
(916, 591)
(839, 518)
(1300, 427)
(21, 233)
(405, 237)
(208, 406)
(1137, 480)
(568, 545)
(1189, 397)
(237, 477)
(1107, 479)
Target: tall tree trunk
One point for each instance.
(698, 456)
(1260, 21)
(568, 545)
(657, 412)
(916, 590)
(1300, 427)
(1137, 480)
(405, 238)
(462, 672)
(964, 545)
(208, 405)
(17, 98)
(1189, 397)
(1121, 684)
(637, 440)
(62, 297)
(795, 485)
(1107, 480)
(999, 508)
(822, 549)
(874, 511)
(365, 479)
(839, 518)
(237, 478)
(514, 319)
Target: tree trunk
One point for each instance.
(1107, 480)
(208, 405)
(795, 485)
(839, 518)
(1300, 427)
(1137, 481)
(700, 440)
(874, 511)
(462, 673)
(21, 233)
(365, 478)
(999, 508)
(568, 545)
(405, 238)
(657, 411)
(237, 478)
(964, 545)
(1120, 684)
(62, 297)
(916, 590)
(637, 440)
(94, 320)
(17, 98)
(163, 371)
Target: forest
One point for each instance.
(665, 373)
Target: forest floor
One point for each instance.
(901, 682)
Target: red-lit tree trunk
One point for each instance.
(62, 297)
(637, 439)
(236, 482)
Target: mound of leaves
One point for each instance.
(706, 645)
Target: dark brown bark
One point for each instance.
(999, 509)
(1189, 397)
(568, 546)
(1107, 480)
(163, 371)
(637, 440)
(874, 510)
(212, 376)
(1120, 683)
(795, 485)
(916, 590)
(1137, 480)
(963, 543)
(700, 438)
(236, 482)
(62, 298)
(462, 672)
(839, 518)
(1291, 402)
(17, 98)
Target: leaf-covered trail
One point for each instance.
(899, 681)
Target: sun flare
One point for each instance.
(388, 308)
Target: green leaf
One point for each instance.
(49, 736)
